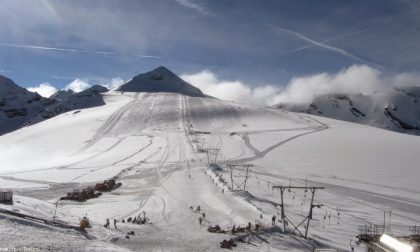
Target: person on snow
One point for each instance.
(204, 215)
(200, 220)
(115, 224)
(107, 223)
(198, 209)
(273, 220)
(249, 226)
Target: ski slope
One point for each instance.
(151, 141)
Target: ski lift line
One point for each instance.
(365, 204)
(371, 206)
(351, 215)
(343, 211)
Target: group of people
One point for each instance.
(198, 210)
(107, 223)
(136, 220)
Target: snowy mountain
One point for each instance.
(173, 151)
(160, 80)
(18, 105)
(159, 144)
(68, 100)
(397, 109)
(61, 94)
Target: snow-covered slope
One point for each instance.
(18, 105)
(158, 145)
(160, 80)
(397, 109)
(153, 143)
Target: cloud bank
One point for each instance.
(236, 91)
(44, 89)
(301, 90)
(77, 85)
(114, 83)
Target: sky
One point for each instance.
(259, 46)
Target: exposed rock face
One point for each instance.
(20, 107)
(160, 80)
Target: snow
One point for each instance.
(149, 142)
(160, 80)
(20, 107)
(397, 109)
(17, 105)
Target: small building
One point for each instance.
(6, 196)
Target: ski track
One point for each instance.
(163, 169)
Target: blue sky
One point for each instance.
(255, 42)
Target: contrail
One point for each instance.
(71, 50)
(148, 56)
(325, 46)
(323, 42)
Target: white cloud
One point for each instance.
(303, 89)
(77, 85)
(355, 79)
(114, 83)
(5, 71)
(44, 89)
(236, 91)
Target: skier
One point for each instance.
(200, 220)
(198, 209)
(107, 223)
(115, 224)
(273, 220)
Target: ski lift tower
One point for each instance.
(312, 189)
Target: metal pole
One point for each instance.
(310, 211)
(282, 210)
(231, 176)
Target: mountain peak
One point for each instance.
(160, 79)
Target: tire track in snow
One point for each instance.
(135, 153)
(109, 124)
(260, 154)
